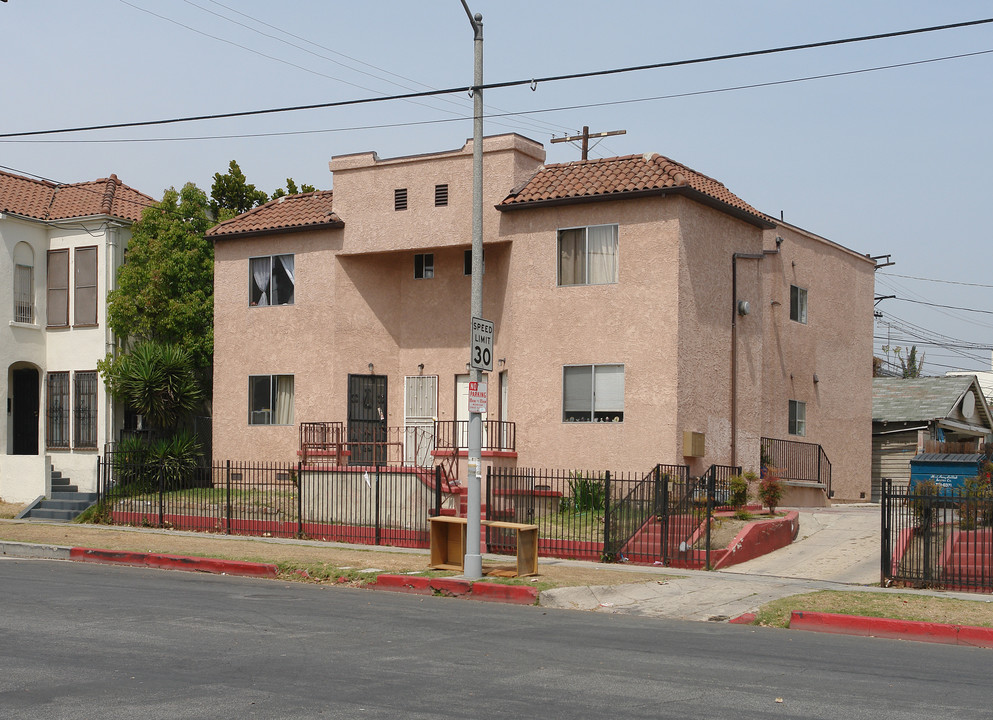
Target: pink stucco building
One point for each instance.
(644, 314)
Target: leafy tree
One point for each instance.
(157, 380)
(911, 367)
(291, 189)
(165, 289)
(231, 194)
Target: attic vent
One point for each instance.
(400, 199)
(441, 195)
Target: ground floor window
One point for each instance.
(798, 418)
(593, 393)
(85, 410)
(270, 400)
(57, 410)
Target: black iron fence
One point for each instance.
(937, 537)
(380, 505)
(659, 517)
(799, 461)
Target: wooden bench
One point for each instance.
(448, 543)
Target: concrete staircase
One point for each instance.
(65, 503)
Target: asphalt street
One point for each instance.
(89, 641)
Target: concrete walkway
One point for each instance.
(837, 549)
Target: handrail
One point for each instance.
(454, 435)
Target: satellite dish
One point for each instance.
(969, 404)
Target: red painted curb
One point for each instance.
(515, 594)
(174, 562)
(890, 628)
(743, 619)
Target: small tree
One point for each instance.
(292, 189)
(770, 492)
(231, 194)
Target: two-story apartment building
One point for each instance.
(60, 247)
(643, 313)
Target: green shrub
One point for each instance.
(738, 491)
(923, 501)
(587, 494)
(177, 458)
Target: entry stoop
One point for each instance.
(65, 504)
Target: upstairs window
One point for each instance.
(400, 199)
(423, 266)
(270, 280)
(441, 195)
(467, 262)
(23, 283)
(593, 393)
(588, 255)
(798, 304)
(270, 400)
(58, 288)
(798, 418)
(85, 287)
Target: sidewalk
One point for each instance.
(837, 549)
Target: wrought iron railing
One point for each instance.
(798, 461)
(454, 435)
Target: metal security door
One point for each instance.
(367, 417)
(420, 408)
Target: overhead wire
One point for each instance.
(507, 84)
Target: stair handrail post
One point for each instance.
(437, 490)
(662, 511)
(711, 489)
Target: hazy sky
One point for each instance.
(896, 161)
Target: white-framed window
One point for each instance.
(84, 305)
(423, 266)
(593, 393)
(587, 255)
(270, 280)
(798, 304)
(58, 288)
(23, 283)
(270, 400)
(798, 418)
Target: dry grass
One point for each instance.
(10, 510)
(922, 608)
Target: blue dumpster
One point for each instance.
(947, 470)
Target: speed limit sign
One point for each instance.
(481, 356)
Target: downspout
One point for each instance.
(734, 349)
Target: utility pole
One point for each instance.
(585, 136)
(473, 561)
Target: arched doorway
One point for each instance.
(24, 398)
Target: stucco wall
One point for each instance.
(835, 344)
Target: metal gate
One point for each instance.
(367, 417)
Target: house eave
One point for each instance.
(688, 192)
(336, 225)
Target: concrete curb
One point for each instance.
(34, 551)
(457, 587)
(894, 629)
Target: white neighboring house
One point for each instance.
(985, 378)
(60, 248)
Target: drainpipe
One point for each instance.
(734, 349)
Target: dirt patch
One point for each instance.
(551, 574)
(725, 529)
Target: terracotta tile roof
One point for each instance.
(44, 200)
(598, 179)
(290, 212)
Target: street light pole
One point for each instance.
(473, 562)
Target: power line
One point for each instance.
(512, 83)
(935, 280)
(491, 116)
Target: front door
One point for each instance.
(420, 408)
(24, 411)
(367, 417)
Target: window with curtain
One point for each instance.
(798, 418)
(23, 283)
(271, 280)
(85, 287)
(270, 400)
(588, 255)
(85, 410)
(57, 410)
(593, 393)
(58, 288)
